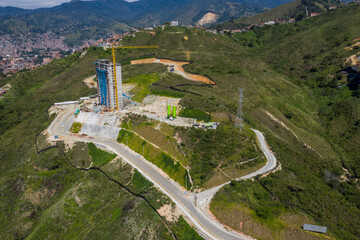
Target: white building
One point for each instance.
(174, 23)
(269, 23)
(106, 84)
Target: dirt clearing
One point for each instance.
(208, 18)
(155, 107)
(176, 67)
(171, 213)
(89, 82)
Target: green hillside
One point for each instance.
(293, 93)
(277, 77)
(283, 11)
(295, 9)
(42, 196)
(84, 20)
(311, 53)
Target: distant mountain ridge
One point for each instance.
(296, 9)
(13, 11)
(193, 11)
(80, 19)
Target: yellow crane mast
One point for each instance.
(114, 66)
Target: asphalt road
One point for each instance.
(204, 198)
(204, 223)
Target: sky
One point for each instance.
(32, 4)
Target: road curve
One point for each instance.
(204, 198)
(205, 224)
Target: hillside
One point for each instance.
(191, 12)
(293, 93)
(284, 11)
(81, 20)
(13, 11)
(54, 199)
(295, 9)
(312, 54)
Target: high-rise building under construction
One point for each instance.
(106, 84)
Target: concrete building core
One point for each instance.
(106, 84)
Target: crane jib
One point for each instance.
(114, 67)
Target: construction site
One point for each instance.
(101, 115)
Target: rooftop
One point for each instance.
(314, 228)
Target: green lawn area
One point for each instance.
(99, 157)
(155, 156)
(185, 231)
(143, 82)
(197, 114)
(76, 127)
(247, 207)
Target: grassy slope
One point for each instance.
(304, 182)
(264, 88)
(249, 208)
(275, 13)
(32, 183)
(310, 53)
(315, 64)
(294, 103)
(214, 156)
(149, 131)
(155, 156)
(204, 170)
(98, 156)
(294, 9)
(197, 114)
(143, 81)
(93, 208)
(225, 149)
(35, 189)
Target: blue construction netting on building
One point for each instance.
(102, 82)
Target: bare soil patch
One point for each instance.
(170, 212)
(208, 18)
(178, 69)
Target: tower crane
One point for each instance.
(114, 66)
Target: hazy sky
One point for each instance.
(31, 4)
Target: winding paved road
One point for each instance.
(196, 213)
(204, 198)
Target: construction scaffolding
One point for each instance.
(109, 90)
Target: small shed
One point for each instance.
(314, 228)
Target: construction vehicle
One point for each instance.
(114, 62)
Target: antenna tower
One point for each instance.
(239, 122)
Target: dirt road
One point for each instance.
(178, 69)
